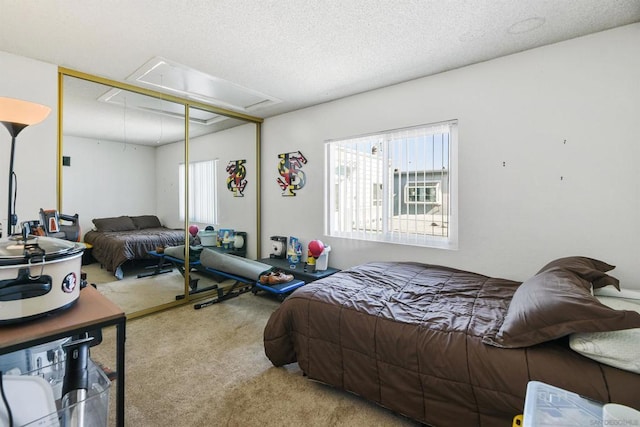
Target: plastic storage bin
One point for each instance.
(45, 360)
(546, 405)
(323, 260)
(96, 405)
(208, 238)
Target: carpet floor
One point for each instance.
(207, 367)
(133, 293)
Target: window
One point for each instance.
(396, 186)
(203, 204)
(376, 192)
(422, 192)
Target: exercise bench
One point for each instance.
(171, 257)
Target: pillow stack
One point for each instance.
(126, 223)
(558, 301)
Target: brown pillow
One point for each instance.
(589, 269)
(146, 221)
(121, 223)
(553, 304)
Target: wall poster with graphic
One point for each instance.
(236, 181)
(292, 178)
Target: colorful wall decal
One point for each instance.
(236, 181)
(291, 177)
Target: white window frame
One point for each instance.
(341, 160)
(423, 184)
(376, 193)
(203, 194)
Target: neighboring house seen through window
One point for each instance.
(397, 186)
(422, 192)
(202, 197)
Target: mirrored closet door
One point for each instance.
(143, 170)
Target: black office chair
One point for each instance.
(59, 225)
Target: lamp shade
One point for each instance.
(21, 112)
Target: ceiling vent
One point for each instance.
(168, 76)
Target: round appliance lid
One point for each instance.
(14, 248)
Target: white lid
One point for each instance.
(15, 250)
(30, 398)
(546, 405)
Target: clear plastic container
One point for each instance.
(208, 238)
(323, 260)
(95, 406)
(44, 360)
(546, 405)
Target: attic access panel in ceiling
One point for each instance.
(166, 75)
(153, 105)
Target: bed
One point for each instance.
(116, 240)
(448, 347)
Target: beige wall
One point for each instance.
(552, 199)
(36, 146)
(234, 212)
(108, 178)
(518, 109)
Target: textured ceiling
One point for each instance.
(303, 52)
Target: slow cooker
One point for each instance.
(38, 276)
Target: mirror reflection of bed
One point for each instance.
(124, 155)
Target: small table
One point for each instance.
(92, 311)
(87, 257)
(298, 272)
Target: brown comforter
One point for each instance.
(409, 337)
(114, 248)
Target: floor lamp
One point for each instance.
(16, 115)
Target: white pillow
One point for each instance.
(619, 349)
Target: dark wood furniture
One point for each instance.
(92, 311)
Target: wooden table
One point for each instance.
(92, 311)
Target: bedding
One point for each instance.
(409, 337)
(146, 221)
(589, 269)
(121, 223)
(620, 349)
(120, 239)
(553, 304)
